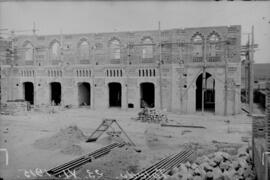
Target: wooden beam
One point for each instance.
(183, 126)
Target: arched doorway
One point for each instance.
(147, 91)
(84, 94)
(209, 93)
(56, 93)
(28, 91)
(115, 94)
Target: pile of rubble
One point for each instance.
(219, 165)
(152, 115)
(14, 107)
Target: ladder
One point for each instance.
(104, 126)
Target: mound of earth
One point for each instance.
(73, 149)
(65, 139)
(109, 140)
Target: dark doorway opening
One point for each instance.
(147, 95)
(209, 93)
(28, 88)
(115, 95)
(55, 93)
(84, 94)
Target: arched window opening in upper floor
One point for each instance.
(29, 52)
(147, 51)
(214, 38)
(197, 38)
(213, 44)
(115, 49)
(84, 50)
(197, 41)
(55, 50)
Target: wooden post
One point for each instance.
(251, 73)
(267, 134)
(12, 58)
(246, 80)
(204, 73)
(226, 82)
(128, 46)
(159, 65)
(93, 79)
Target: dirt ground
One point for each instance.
(20, 132)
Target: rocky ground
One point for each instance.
(38, 141)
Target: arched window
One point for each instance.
(84, 50)
(213, 40)
(55, 51)
(197, 41)
(147, 51)
(29, 52)
(115, 49)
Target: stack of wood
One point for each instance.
(151, 115)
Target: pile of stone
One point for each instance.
(151, 115)
(13, 107)
(219, 165)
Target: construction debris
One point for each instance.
(14, 107)
(151, 115)
(218, 165)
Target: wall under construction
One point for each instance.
(181, 70)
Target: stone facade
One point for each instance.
(130, 59)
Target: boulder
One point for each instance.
(225, 155)
(235, 165)
(194, 166)
(202, 159)
(228, 175)
(213, 163)
(218, 157)
(188, 165)
(243, 163)
(205, 166)
(217, 174)
(248, 172)
(225, 165)
(174, 170)
(209, 175)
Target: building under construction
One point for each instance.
(181, 70)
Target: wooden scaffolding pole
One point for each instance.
(251, 73)
(127, 70)
(204, 73)
(226, 81)
(159, 66)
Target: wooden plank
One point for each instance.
(184, 126)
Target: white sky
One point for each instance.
(107, 16)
